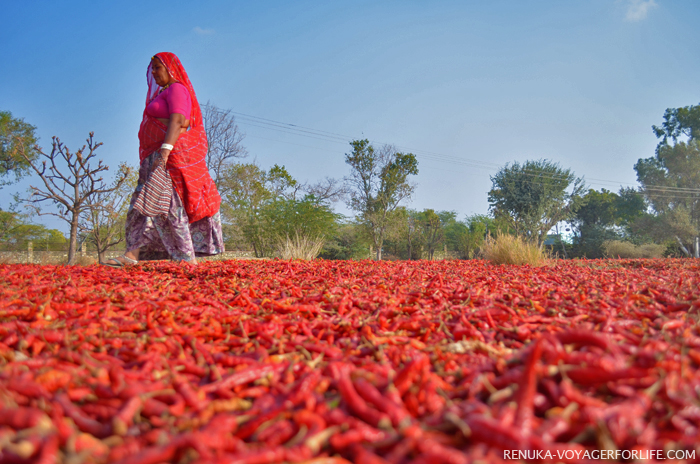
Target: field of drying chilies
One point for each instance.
(350, 361)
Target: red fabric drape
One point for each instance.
(187, 164)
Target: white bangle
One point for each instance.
(167, 146)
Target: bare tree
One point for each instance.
(104, 220)
(224, 139)
(70, 190)
(328, 189)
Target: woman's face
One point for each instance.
(160, 73)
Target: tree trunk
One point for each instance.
(255, 251)
(73, 243)
(409, 239)
(379, 241)
(563, 247)
(683, 248)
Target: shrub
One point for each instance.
(627, 250)
(300, 246)
(510, 249)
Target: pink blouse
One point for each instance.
(174, 99)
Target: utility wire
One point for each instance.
(295, 129)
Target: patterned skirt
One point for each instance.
(169, 235)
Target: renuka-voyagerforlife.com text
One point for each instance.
(645, 455)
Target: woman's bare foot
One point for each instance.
(120, 261)
(128, 258)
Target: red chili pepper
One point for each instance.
(572, 394)
(193, 400)
(277, 434)
(83, 422)
(586, 339)
(304, 388)
(249, 428)
(156, 455)
(153, 407)
(116, 376)
(398, 415)
(27, 387)
(243, 377)
(125, 417)
(406, 377)
(365, 456)
(596, 375)
(49, 451)
(527, 389)
(435, 452)
(21, 417)
(53, 336)
(355, 402)
(313, 422)
(355, 436)
(329, 351)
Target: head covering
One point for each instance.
(177, 71)
(187, 161)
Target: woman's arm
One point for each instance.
(175, 125)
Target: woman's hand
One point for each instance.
(164, 153)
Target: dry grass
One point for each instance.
(85, 260)
(299, 246)
(627, 250)
(509, 249)
(43, 258)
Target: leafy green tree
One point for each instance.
(678, 122)
(432, 227)
(16, 232)
(671, 183)
(630, 206)
(266, 207)
(350, 241)
(378, 183)
(604, 215)
(17, 147)
(414, 238)
(308, 217)
(594, 223)
(415, 234)
(534, 197)
(249, 191)
(403, 236)
(467, 237)
(597, 209)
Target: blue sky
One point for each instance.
(466, 85)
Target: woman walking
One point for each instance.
(175, 209)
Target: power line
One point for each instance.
(334, 137)
(331, 135)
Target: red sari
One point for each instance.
(187, 161)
